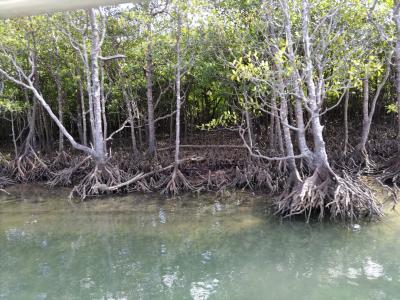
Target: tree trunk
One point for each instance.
(149, 94)
(82, 113)
(288, 139)
(103, 104)
(271, 127)
(60, 101)
(103, 107)
(346, 122)
(299, 94)
(365, 114)
(30, 141)
(178, 91)
(87, 70)
(368, 112)
(140, 133)
(13, 135)
(131, 121)
(96, 97)
(320, 154)
(79, 122)
(249, 123)
(46, 141)
(278, 130)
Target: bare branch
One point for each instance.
(116, 56)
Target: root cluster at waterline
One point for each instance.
(326, 194)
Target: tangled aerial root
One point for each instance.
(358, 161)
(216, 180)
(97, 181)
(389, 176)
(254, 176)
(29, 168)
(325, 193)
(175, 183)
(389, 172)
(65, 177)
(63, 160)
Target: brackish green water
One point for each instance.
(141, 247)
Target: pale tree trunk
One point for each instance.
(140, 134)
(60, 101)
(103, 107)
(320, 154)
(275, 124)
(287, 137)
(82, 113)
(87, 70)
(288, 140)
(271, 131)
(13, 135)
(299, 95)
(178, 91)
(279, 92)
(131, 121)
(149, 95)
(30, 141)
(301, 133)
(369, 108)
(249, 123)
(79, 119)
(294, 173)
(275, 130)
(98, 139)
(279, 135)
(171, 126)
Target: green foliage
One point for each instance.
(12, 106)
(249, 67)
(227, 119)
(391, 108)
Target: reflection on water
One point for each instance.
(143, 247)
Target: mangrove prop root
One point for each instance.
(138, 180)
(359, 161)
(177, 182)
(256, 176)
(29, 168)
(389, 172)
(97, 181)
(62, 160)
(65, 176)
(327, 194)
